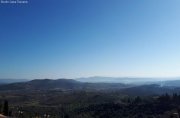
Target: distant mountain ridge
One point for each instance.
(158, 87)
(101, 79)
(8, 80)
(41, 84)
(63, 84)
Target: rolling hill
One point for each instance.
(61, 84)
(70, 84)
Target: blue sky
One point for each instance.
(81, 38)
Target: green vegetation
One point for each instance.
(86, 104)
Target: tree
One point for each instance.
(6, 108)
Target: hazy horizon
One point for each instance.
(106, 78)
(83, 38)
